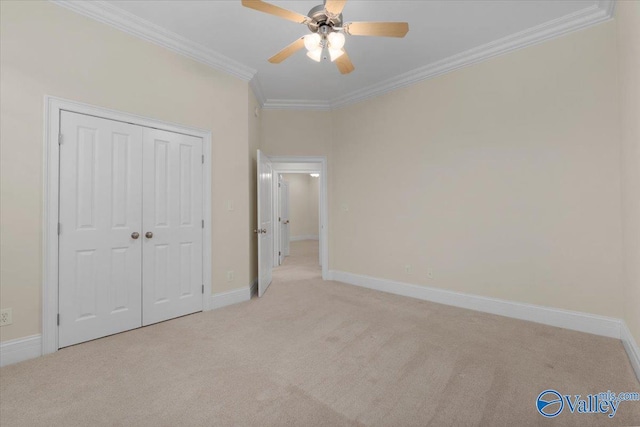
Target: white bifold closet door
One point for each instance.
(100, 263)
(118, 182)
(172, 223)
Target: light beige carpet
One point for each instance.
(315, 353)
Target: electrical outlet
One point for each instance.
(407, 269)
(230, 276)
(6, 317)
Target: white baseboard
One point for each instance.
(304, 237)
(577, 321)
(574, 320)
(20, 349)
(236, 296)
(631, 346)
(30, 347)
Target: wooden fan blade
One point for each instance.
(334, 6)
(272, 9)
(382, 29)
(287, 51)
(344, 64)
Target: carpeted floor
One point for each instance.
(315, 353)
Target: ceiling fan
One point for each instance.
(327, 31)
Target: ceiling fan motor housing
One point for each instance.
(320, 22)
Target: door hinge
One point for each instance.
(60, 138)
(203, 288)
(203, 159)
(279, 253)
(59, 229)
(203, 223)
(58, 319)
(279, 219)
(279, 185)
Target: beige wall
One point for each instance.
(303, 204)
(503, 178)
(628, 24)
(48, 50)
(296, 133)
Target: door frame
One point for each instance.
(51, 186)
(307, 164)
(265, 218)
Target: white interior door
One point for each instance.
(265, 223)
(100, 226)
(285, 226)
(280, 223)
(172, 225)
(277, 222)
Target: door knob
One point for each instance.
(148, 234)
(135, 235)
(264, 230)
(255, 231)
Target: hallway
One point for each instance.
(302, 262)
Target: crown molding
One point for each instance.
(256, 88)
(296, 104)
(129, 23)
(138, 27)
(592, 15)
(608, 6)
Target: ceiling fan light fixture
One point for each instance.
(335, 53)
(316, 55)
(312, 41)
(336, 40)
(328, 30)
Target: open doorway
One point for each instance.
(272, 236)
(291, 167)
(298, 215)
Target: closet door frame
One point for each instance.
(53, 107)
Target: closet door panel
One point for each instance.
(100, 210)
(172, 223)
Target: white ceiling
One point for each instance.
(443, 35)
